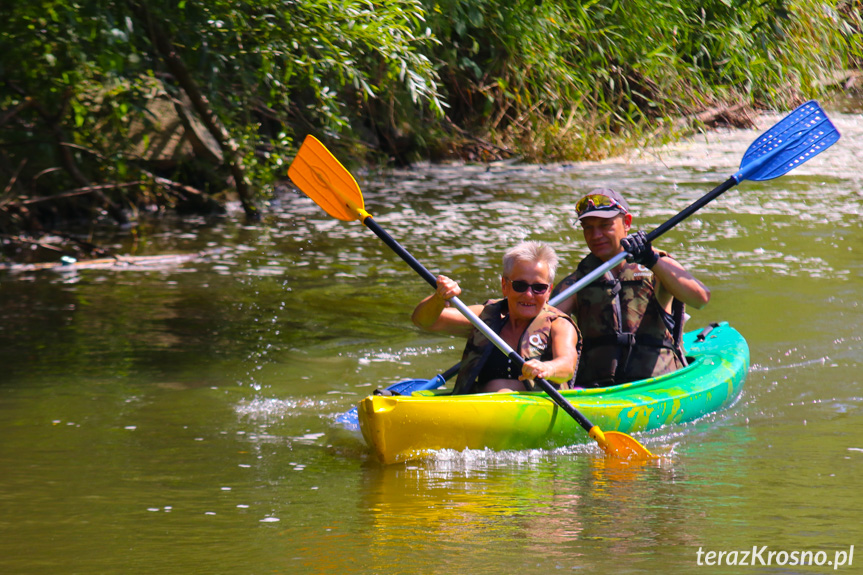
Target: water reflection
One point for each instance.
(549, 507)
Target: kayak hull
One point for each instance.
(402, 428)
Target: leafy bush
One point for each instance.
(253, 74)
(558, 80)
(545, 80)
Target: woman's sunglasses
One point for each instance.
(522, 286)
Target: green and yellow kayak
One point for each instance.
(401, 428)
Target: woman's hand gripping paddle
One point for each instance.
(330, 185)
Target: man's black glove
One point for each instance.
(639, 249)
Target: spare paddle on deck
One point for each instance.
(323, 178)
(350, 419)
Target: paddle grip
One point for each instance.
(450, 372)
(547, 387)
(560, 400)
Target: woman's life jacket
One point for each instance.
(535, 343)
(627, 334)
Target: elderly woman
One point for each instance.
(544, 336)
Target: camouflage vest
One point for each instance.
(625, 336)
(535, 343)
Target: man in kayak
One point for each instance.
(543, 335)
(632, 317)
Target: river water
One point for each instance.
(179, 419)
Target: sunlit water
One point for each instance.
(181, 419)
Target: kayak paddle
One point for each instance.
(794, 140)
(797, 138)
(330, 185)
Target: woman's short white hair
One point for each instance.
(531, 252)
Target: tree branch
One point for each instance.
(175, 65)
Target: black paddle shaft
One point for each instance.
(692, 208)
(371, 224)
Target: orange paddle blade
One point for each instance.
(617, 444)
(625, 446)
(326, 181)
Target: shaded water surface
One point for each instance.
(180, 418)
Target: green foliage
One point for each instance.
(546, 80)
(317, 57)
(558, 79)
(267, 71)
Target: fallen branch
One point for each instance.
(130, 263)
(12, 181)
(172, 185)
(94, 189)
(42, 245)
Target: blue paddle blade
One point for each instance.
(797, 138)
(350, 419)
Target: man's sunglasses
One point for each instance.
(599, 202)
(522, 286)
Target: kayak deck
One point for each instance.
(400, 428)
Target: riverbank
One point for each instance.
(185, 108)
(95, 244)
